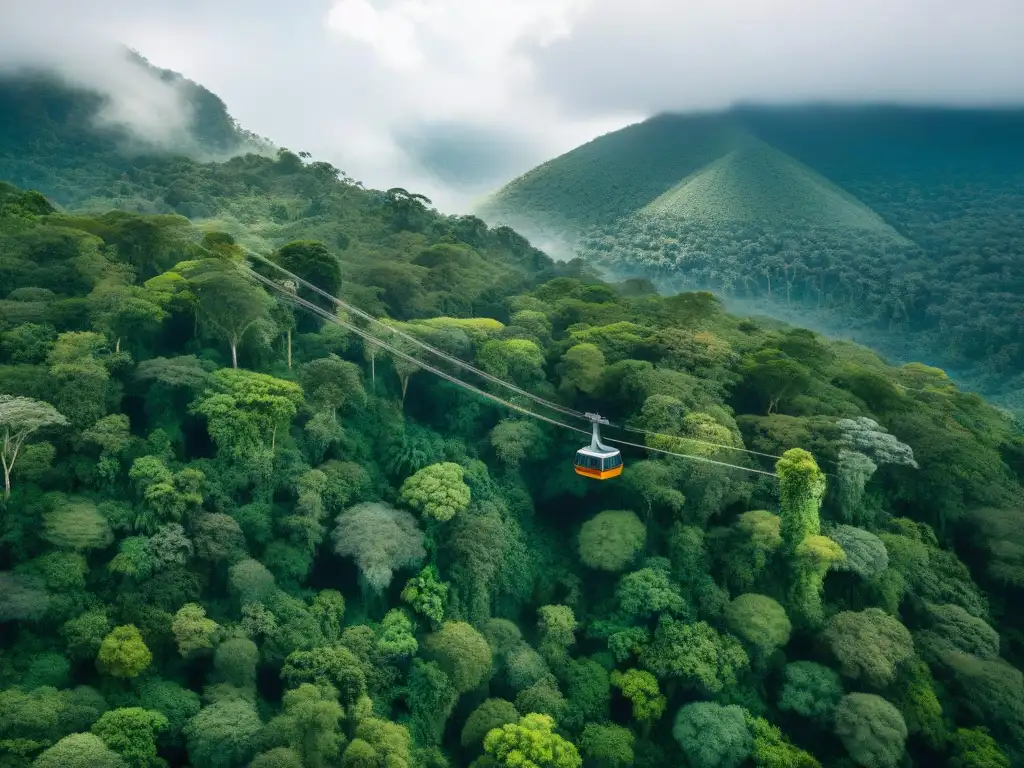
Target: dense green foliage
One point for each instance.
(237, 534)
(901, 226)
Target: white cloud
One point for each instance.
(469, 62)
(461, 59)
(351, 80)
(84, 55)
(644, 54)
(390, 32)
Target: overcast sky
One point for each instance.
(454, 97)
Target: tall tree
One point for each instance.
(244, 410)
(311, 261)
(330, 382)
(125, 311)
(19, 418)
(229, 303)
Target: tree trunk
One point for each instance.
(8, 466)
(117, 346)
(405, 386)
(373, 372)
(234, 353)
(289, 349)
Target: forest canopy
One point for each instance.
(237, 533)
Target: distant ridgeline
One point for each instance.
(51, 140)
(901, 226)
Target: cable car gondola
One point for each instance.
(597, 461)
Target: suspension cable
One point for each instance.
(688, 456)
(423, 345)
(490, 377)
(648, 433)
(319, 311)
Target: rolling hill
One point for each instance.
(902, 227)
(758, 183)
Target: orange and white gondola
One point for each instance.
(597, 461)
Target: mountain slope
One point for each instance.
(901, 226)
(611, 176)
(74, 143)
(51, 141)
(757, 183)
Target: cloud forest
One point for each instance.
(243, 524)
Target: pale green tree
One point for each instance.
(123, 652)
(192, 630)
(131, 732)
(642, 691)
(437, 491)
(531, 742)
(19, 418)
(80, 750)
(611, 540)
(582, 366)
(462, 652)
(245, 410)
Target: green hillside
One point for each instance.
(48, 142)
(238, 534)
(901, 227)
(757, 183)
(610, 177)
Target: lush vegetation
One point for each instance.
(234, 534)
(901, 227)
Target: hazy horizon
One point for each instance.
(454, 98)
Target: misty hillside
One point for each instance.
(50, 142)
(74, 142)
(903, 227)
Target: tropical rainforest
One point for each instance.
(234, 532)
(899, 227)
